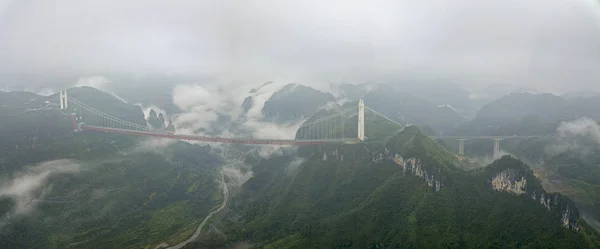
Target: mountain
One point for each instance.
(400, 107)
(436, 92)
(406, 108)
(351, 92)
(61, 189)
(566, 164)
(575, 173)
(247, 104)
(527, 114)
(156, 121)
(577, 165)
(581, 94)
(19, 100)
(403, 106)
(406, 193)
(294, 102)
(440, 93)
(65, 189)
(496, 91)
(515, 106)
(151, 89)
(103, 102)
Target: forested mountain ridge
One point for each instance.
(294, 102)
(528, 114)
(61, 189)
(103, 102)
(408, 193)
(404, 107)
(405, 192)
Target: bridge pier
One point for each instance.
(74, 122)
(361, 120)
(64, 103)
(461, 146)
(496, 153)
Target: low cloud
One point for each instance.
(216, 109)
(293, 165)
(188, 96)
(200, 107)
(237, 172)
(489, 158)
(581, 135)
(46, 92)
(31, 185)
(269, 151)
(583, 127)
(156, 145)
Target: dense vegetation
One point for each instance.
(125, 193)
(568, 165)
(294, 102)
(129, 193)
(575, 165)
(350, 198)
(576, 174)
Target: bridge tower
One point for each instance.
(461, 146)
(361, 120)
(497, 148)
(64, 102)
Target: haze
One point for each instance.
(550, 45)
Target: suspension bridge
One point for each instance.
(333, 128)
(337, 127)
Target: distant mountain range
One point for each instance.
(445, 107)
(581, 94)
(295, 101)
(528, 114)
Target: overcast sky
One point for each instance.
(548, 44)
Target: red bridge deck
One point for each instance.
(213, 139)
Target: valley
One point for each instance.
(273, 124)
(199, 229)
(398, 188)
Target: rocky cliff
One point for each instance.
(413, 166)
(507, 174)
(509, 181)
(511, 175)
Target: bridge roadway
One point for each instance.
(484, 137)
(218, 139)
(263, 141)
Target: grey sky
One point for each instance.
(548, 44)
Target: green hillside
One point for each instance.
(570, 166)
(125, 191)
(294, 102)
(374, 196)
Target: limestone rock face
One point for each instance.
(509, 178)
(509, 181)
(414, 167)
(514, 181)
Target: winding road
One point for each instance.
(195, 236)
